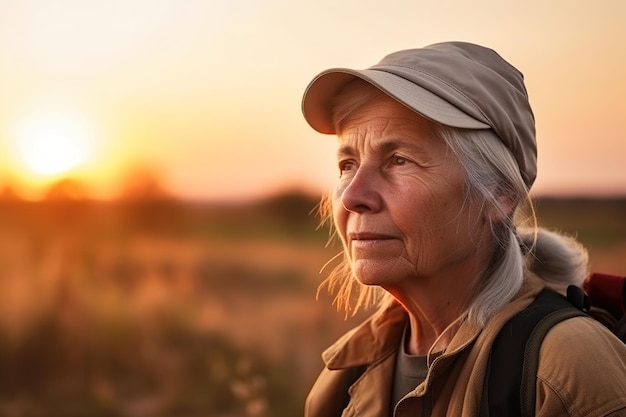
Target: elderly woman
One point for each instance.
(436, 157)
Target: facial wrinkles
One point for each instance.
(438, 193)
(437, 183)
(366, 141)
(360, 138)
(413, 257)
(377, 129)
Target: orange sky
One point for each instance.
(209, 92)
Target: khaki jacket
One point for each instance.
(582, 369)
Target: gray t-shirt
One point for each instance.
(410, 371)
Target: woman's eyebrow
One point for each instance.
(384, 146)
(410, 145)
(350, 150)
(345, 150)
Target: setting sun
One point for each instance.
(53, 143)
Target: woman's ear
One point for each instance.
(503, 210)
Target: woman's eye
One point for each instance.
(399, 160)
(345, 167)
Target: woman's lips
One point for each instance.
(364, 242)
(368, 236)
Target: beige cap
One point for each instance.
(456, 84)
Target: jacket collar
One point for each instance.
(372, 340)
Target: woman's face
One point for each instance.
(400, 204)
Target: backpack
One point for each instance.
(510, 380)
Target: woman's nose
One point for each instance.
(361, 193)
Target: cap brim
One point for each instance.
(318, 99)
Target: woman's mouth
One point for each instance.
(368, 236)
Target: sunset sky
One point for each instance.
(207, 93)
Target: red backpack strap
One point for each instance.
(607, 292)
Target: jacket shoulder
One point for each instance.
(582, 371)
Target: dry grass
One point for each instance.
(167, 309)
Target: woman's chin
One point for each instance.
(372, 276)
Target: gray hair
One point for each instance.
(492, 174)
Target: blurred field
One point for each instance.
(163, 308)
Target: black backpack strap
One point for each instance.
(510, 381)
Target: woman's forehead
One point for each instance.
(385, 125)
